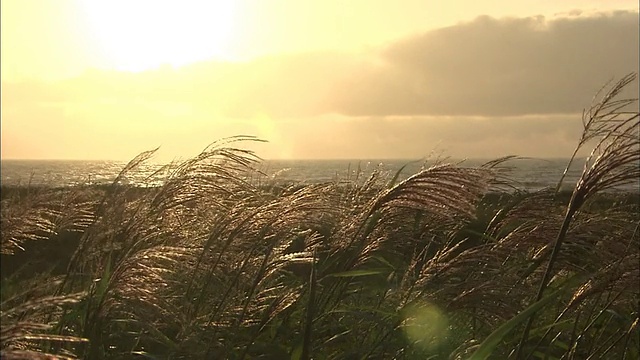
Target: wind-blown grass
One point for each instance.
(221, 261)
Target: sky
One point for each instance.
(317, 79)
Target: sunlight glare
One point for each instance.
(137, 35)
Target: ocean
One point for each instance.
(530, 174)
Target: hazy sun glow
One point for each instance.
(330, 79)
(144, 34)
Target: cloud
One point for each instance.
(497, 67)
(414, 137)
(486, 67)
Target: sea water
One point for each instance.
(530, 174)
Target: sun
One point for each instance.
(136, 35)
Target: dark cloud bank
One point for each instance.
(498, 67)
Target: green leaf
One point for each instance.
(541, 355)
(564, 325)
(357, 273)
(103, 282)
(487, 347)
(297, 352)
(383, 261)
(363, 309)
(397, 174)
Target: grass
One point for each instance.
(222, 262)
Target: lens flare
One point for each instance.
(426, 326)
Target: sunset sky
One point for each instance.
(355, 79)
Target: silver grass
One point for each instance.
(613, 162)
(25, 330)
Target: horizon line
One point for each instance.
(412, 159)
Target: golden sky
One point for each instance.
(317, 79)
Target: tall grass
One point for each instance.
(221, 261)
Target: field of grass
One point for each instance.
(220, 262)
